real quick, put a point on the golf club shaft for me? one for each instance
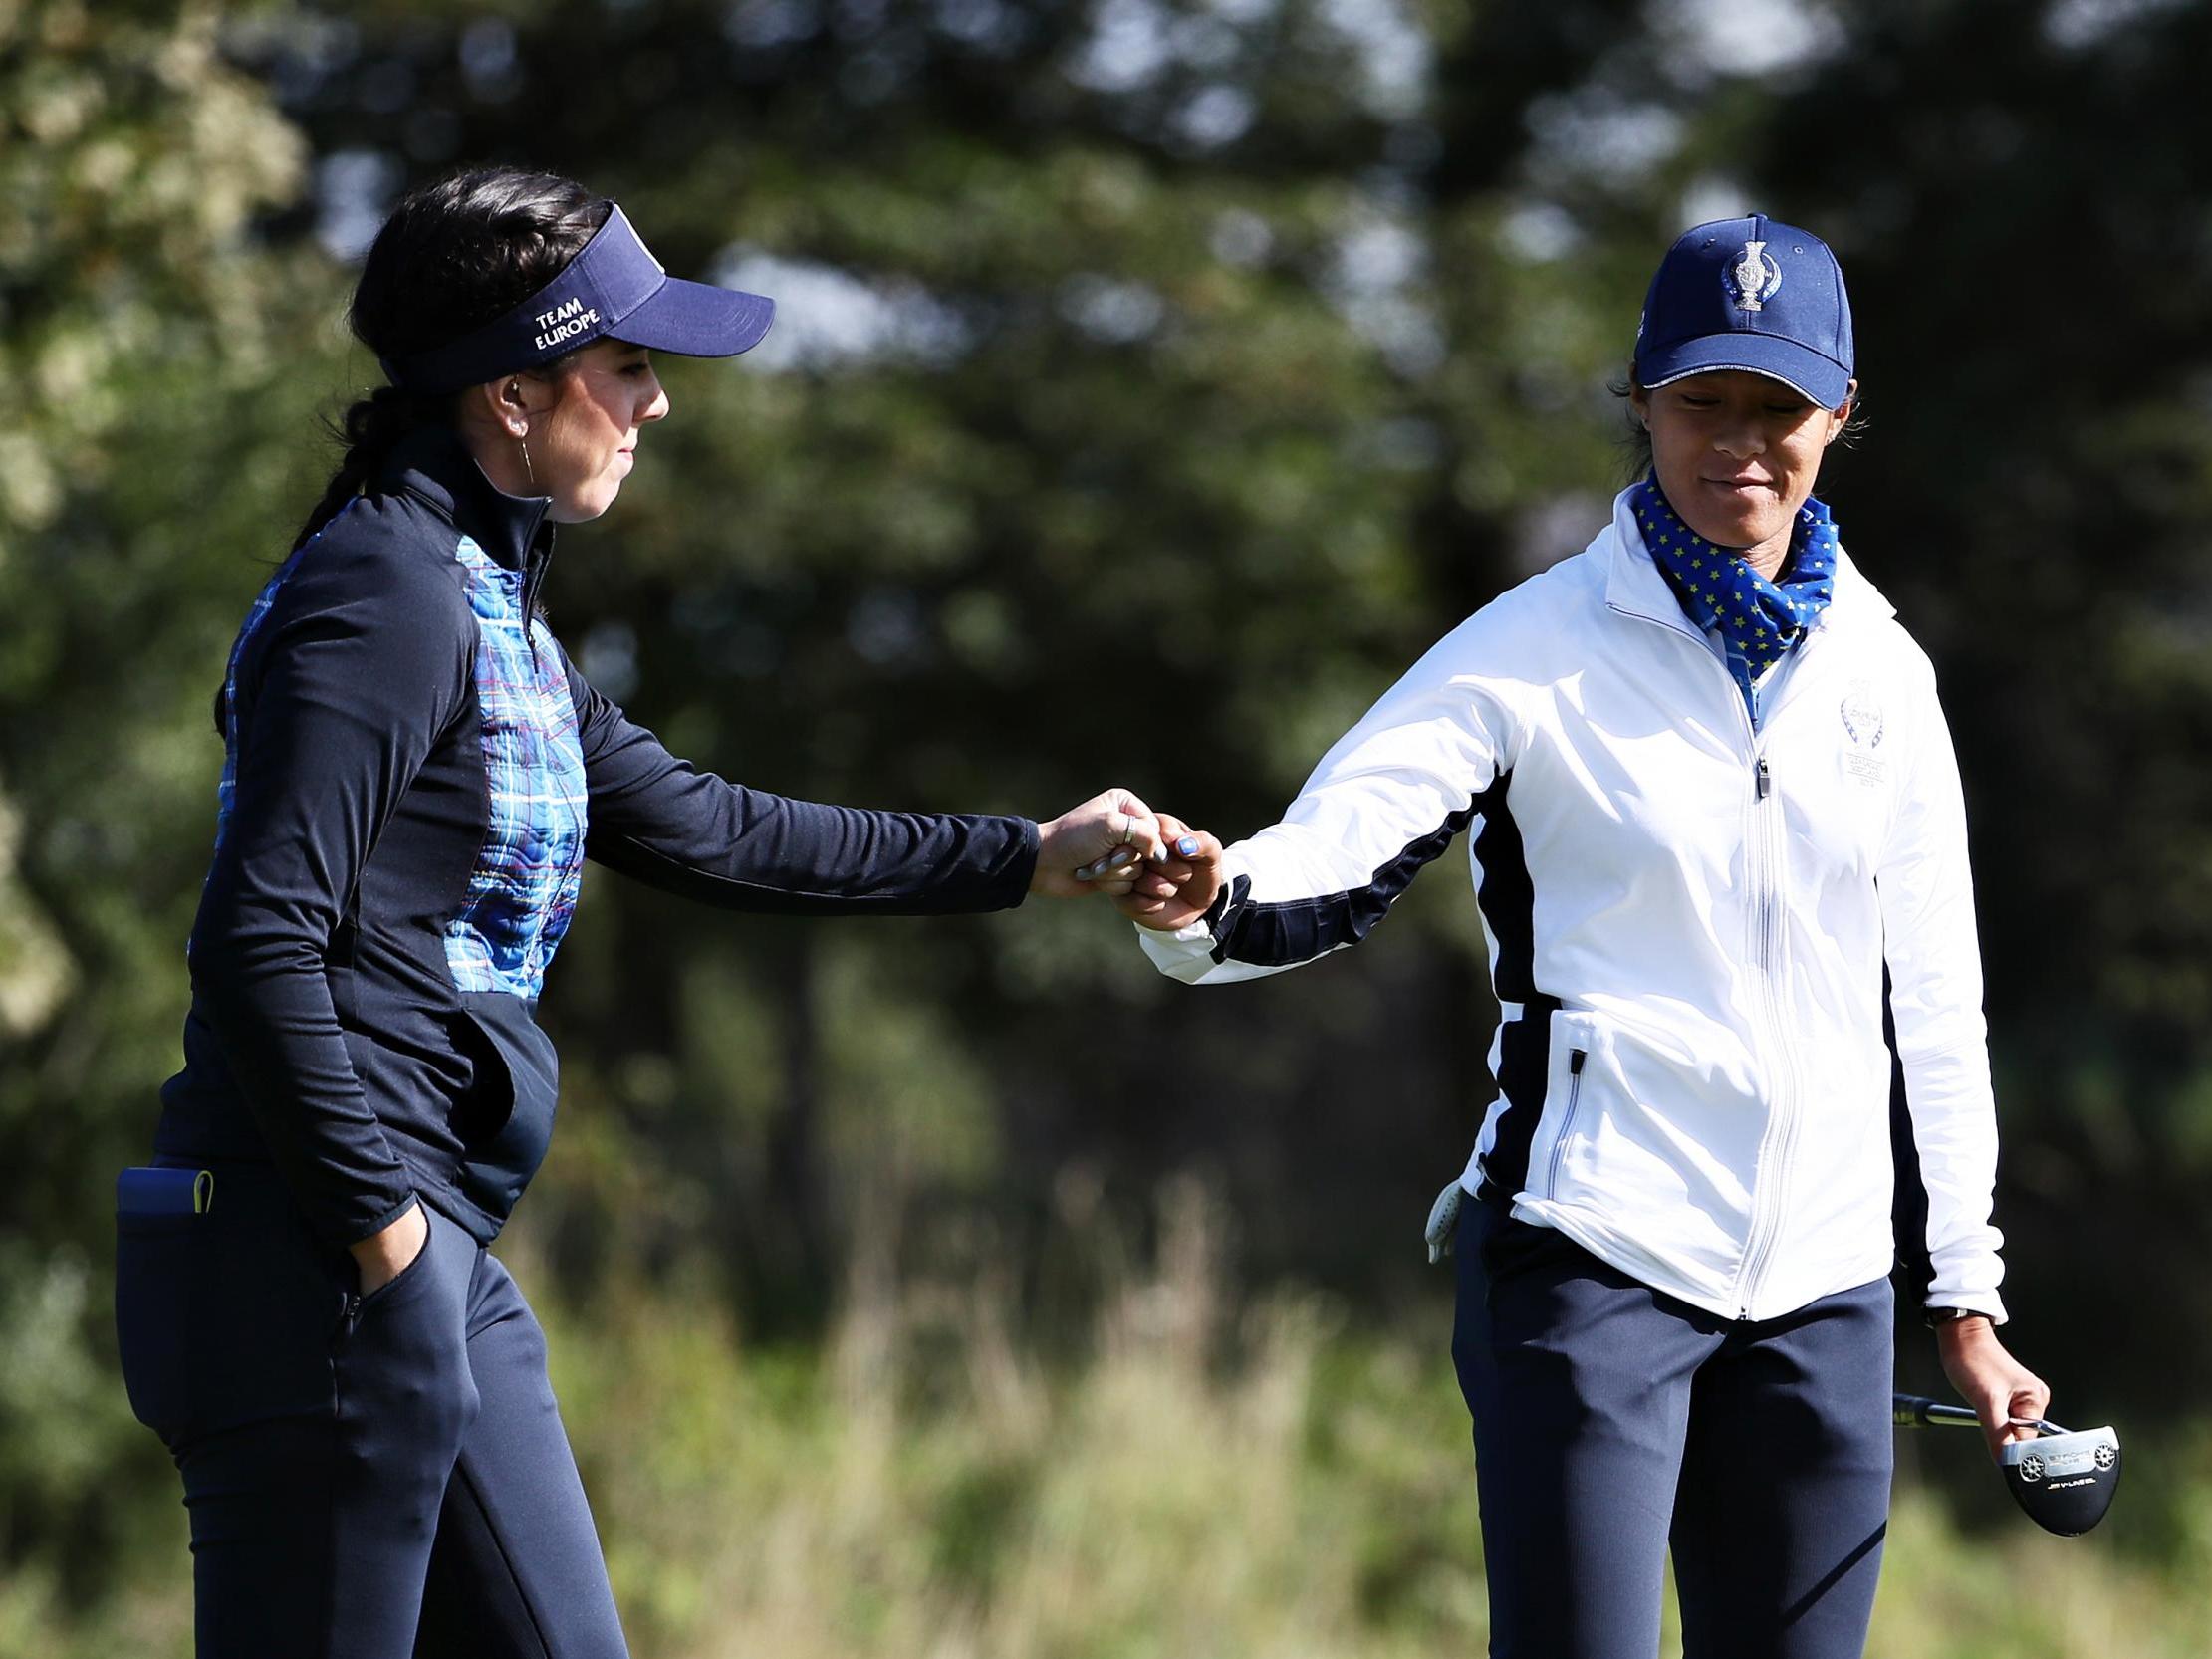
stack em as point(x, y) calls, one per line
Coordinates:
point(1917, 1411)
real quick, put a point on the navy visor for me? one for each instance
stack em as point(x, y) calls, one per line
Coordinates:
point(614, 289)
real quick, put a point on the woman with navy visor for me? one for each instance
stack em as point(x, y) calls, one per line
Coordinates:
point(353, 1390)
point(1711, 798)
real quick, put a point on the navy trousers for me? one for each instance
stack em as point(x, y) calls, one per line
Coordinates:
point(367, 1478)
point(1612, 1422)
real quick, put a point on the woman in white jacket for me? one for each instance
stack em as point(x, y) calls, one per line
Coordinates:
point(1713, 804)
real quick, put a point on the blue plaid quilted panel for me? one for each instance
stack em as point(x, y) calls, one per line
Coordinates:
point(522, 890)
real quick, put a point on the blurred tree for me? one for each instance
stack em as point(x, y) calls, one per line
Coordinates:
point(144, 338)
point(1090, 446)
point(1155, 378)
point(2033, 495)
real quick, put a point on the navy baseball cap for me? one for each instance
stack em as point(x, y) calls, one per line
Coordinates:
point(614, 288)
point(1749, 293)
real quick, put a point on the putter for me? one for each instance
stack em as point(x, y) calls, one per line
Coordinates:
point(2063, 1479)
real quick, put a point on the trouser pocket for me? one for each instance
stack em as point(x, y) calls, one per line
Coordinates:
point(405, 1392)
point(156, 1262)
point(1512, 1248)
point(400, 1286)
point(226, 1318)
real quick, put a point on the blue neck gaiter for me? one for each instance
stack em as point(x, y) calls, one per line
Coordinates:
point(1759, 621)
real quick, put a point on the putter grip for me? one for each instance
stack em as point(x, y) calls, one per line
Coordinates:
point(1917, 1411)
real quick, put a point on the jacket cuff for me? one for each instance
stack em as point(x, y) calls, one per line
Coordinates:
point(361, 1233)
point(1021, 870)
point(1974, 1302)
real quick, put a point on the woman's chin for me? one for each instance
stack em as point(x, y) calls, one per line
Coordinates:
point(586, 505)
point(1745, 528)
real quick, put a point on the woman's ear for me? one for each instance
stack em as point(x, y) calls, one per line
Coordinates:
point(513, 402)
point(1842, 413)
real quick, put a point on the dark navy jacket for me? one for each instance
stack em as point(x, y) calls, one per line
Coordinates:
point(414, 775)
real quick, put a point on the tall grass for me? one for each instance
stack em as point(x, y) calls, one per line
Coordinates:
point(1195, 1479)
point(1204, 1481)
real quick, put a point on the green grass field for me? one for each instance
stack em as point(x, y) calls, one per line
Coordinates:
point(1202, 1480)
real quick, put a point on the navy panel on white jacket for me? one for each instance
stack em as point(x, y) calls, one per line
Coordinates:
point(1688, 921)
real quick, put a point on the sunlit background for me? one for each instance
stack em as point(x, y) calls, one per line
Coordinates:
point(1154, 381)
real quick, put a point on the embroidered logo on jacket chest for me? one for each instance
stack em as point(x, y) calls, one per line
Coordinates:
point(1864, 725)
point(521, 892)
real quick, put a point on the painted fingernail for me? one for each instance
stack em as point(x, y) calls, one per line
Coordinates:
point(1117, 858)
point(1188, 846)
point(1085, 873)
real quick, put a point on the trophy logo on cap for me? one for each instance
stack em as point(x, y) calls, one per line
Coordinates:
point(1755, 278)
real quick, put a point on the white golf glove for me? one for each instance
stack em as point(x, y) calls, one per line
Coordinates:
point(1443, 1219)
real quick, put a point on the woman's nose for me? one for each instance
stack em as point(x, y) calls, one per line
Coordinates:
point(1741, 442)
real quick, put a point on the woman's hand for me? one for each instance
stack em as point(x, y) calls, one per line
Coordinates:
point(1184, 886)
point(2001, 1390)
point(1097, 847)
point(384, 1257)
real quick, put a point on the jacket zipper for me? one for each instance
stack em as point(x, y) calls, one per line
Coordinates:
point(533, 578)
point(1575, 1061)
point(1780, 1138)
point(1781, 1131)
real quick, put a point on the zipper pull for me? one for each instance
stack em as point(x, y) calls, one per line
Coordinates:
point(1766, 779)
point(1574, 1058)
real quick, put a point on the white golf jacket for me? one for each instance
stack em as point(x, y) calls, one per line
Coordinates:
point(1688, 923)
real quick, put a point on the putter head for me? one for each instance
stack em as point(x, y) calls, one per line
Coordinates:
point(2064, 1482)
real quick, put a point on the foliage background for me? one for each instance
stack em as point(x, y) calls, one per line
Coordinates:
point(1155, 378)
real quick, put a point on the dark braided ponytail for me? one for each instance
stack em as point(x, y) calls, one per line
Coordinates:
point(453, 256)
point(368, 429)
